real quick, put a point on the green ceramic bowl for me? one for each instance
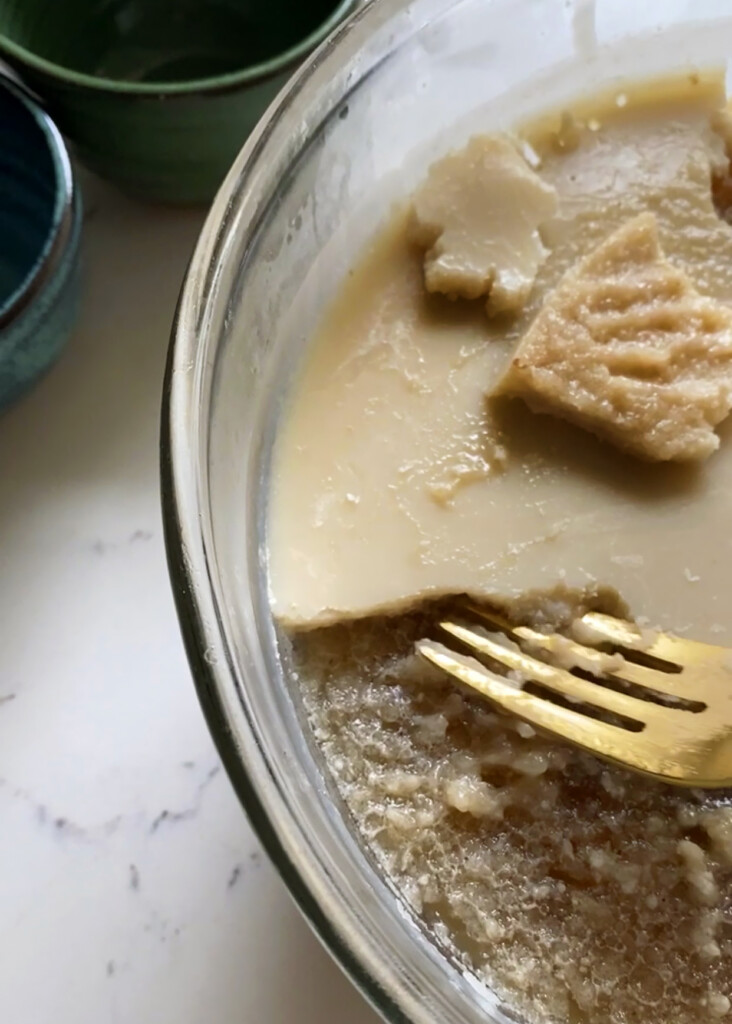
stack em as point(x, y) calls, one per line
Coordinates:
point(159, 95)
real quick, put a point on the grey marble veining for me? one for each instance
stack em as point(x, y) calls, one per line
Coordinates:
point(132, 890)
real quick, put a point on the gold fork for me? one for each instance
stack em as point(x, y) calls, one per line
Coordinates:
point(654, 703)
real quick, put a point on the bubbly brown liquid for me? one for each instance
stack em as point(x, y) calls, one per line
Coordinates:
point(577, 891)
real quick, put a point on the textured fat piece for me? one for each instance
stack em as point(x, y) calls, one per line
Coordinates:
point(626, 347)
point(478, 215)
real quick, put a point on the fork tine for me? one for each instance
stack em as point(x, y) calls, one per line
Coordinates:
point(609, 741)
point(556, 679)
point(588, 658)
point(667, 648)
point(662, 684)
point(672, 684)
point(625, 634)
point(614, 631)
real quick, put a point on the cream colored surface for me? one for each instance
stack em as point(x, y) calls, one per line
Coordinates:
point(395, 479)
point(478, 215)
point(626, 347)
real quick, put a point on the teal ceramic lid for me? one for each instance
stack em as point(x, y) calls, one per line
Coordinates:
point(40, 218)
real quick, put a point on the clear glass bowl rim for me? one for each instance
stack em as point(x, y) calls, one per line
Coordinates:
point(433, 994)
point(397, 993)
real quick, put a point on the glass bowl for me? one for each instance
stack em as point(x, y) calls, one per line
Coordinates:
point(397, 85)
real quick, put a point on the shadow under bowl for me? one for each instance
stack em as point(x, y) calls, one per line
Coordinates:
point(158, 96)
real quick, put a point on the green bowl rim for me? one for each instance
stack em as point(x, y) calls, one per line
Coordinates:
point(20, 56)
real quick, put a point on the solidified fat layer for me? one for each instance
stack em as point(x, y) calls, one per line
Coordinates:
point(394, 478)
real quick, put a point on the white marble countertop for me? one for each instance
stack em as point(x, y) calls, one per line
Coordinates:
point(132, 890)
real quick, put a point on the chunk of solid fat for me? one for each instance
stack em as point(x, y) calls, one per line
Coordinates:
point(626, 347)
point(394, 478)
point(478, 215)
